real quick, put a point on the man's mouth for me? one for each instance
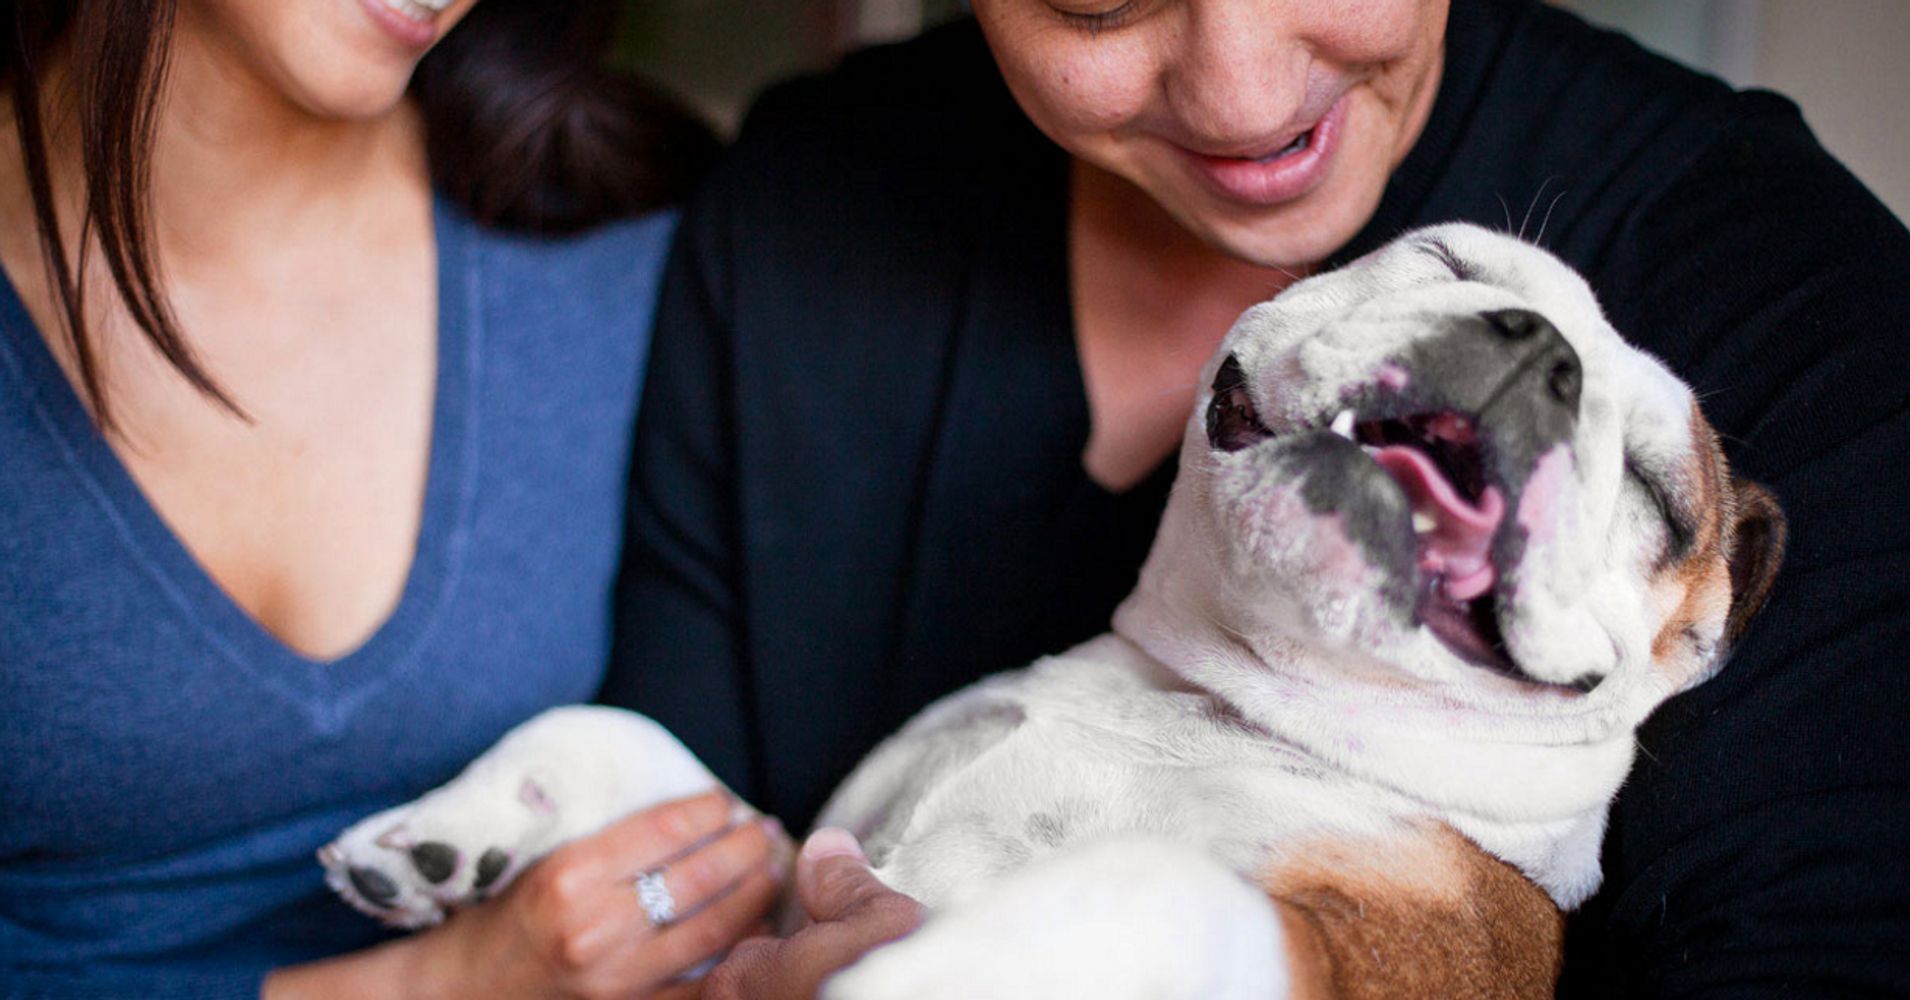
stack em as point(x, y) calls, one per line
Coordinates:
point(1297, 144)
point(1271, 174)
point(418, 10)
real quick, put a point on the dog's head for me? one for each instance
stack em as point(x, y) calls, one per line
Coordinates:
point(1440, 470)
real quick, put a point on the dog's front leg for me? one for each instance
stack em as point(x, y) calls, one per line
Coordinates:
point(1127, 918)
point(564, 774)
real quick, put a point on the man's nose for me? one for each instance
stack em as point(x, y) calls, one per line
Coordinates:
point(1237, 75)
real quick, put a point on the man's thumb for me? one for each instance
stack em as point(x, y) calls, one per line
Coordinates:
point(832, 874)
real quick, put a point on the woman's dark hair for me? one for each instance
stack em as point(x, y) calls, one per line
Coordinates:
point(525, 127)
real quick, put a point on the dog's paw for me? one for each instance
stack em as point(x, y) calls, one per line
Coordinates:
point(410, 865)
point(1114, 920)
point(564, 774)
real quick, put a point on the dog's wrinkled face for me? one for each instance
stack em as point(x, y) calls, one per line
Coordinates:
point(1441, 466)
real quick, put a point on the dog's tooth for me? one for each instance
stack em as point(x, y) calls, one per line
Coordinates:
point(1423, 522)
point(1343, 424)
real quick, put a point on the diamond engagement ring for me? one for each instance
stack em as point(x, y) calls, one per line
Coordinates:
point(653, 894)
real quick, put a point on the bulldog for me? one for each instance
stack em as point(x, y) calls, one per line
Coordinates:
point(1439, 542)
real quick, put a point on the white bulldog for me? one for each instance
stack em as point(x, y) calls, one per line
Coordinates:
point(1439, 542)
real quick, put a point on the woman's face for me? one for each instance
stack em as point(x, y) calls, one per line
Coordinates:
point(343, 59)
point(1267, 128)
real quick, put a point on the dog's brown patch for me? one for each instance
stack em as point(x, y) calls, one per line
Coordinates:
point(1725, 572)
point(1422, 913)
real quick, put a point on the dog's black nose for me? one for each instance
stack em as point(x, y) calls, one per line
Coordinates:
point(1515, 324)
point(1544, 361)
point(1513, 373)
point(1560, 363)
point(1564, 381)
point(374, 885)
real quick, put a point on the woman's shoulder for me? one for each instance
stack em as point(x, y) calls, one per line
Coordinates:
point(632, 246)
point(610, 272)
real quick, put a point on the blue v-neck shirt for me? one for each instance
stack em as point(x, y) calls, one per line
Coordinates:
point(167, 766)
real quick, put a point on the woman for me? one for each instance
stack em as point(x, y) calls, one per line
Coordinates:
point(311, 483)
point(931, 333)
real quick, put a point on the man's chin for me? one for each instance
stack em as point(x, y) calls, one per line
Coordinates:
point(1291, 236)
point(1292, 239)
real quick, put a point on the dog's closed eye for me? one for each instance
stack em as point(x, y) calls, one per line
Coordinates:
point(1680, 529)
point(1439, 251)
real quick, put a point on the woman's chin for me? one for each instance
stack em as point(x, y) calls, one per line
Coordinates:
point(362, 97)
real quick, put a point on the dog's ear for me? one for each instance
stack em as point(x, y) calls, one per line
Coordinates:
point(1755, 546)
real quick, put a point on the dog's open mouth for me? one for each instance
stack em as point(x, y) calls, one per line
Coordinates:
point(1438, 458)
point(1438, 461)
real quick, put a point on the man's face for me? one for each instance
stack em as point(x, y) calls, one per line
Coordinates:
point(1267, 128)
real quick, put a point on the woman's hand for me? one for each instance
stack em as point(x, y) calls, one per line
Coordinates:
point(853, 913)
point(572, 925)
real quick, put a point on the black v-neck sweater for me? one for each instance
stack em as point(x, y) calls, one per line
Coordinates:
point(858, 480)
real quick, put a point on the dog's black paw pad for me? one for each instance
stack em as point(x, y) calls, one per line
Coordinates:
point(490, 865)
point(434, 860)
point(375, 886)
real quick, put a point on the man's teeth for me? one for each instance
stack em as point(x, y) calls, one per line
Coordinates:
point(1423, 523)
point(418, 10)
point(1343, 424)
point(1299, 143)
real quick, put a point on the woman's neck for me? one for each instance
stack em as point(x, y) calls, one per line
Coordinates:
point(238, 163)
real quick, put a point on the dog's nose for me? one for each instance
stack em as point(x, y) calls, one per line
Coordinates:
point(1513, 372)
point(1520, 363)
point(1550, 355)
point(1515, 324)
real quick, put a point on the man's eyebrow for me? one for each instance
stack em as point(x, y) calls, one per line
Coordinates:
point(1443, 253)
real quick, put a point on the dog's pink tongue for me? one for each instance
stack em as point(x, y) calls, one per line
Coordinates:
point(1456, 547)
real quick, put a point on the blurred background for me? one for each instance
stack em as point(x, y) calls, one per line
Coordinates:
point(1845, 62)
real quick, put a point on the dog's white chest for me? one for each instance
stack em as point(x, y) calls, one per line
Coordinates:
point(1080, 748)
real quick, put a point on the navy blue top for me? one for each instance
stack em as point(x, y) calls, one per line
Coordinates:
point(169, 766)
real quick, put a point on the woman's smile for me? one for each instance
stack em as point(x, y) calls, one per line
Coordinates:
point(411, 23)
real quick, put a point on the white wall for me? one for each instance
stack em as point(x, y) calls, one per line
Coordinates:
point(1845, 62)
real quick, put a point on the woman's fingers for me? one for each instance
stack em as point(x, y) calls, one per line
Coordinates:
point(721, 916)
point(576, 925)
point(715, 883)
point(656, 835)
point(691, 880)
point(735, 914)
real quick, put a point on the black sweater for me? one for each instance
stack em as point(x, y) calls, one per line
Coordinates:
point(858, 480)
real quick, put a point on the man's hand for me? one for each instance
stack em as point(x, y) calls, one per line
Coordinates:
point(852, 914)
